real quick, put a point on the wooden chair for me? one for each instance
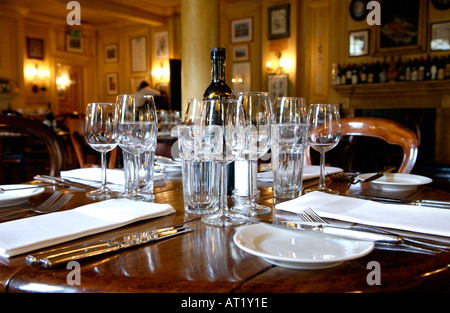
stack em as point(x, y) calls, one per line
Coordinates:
point(76, 132)
point(35, 129)
point(387, 130)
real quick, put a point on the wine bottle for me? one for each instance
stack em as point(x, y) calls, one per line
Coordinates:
point(217, 90)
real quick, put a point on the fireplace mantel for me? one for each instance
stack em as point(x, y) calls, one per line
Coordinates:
point(405, 95)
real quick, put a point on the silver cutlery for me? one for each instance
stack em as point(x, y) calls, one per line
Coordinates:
point(52, 204)
point(52, 179)
point(57, 256)
point(2, 190)
point(428, 203)
point(423, 245)
point(380, 174)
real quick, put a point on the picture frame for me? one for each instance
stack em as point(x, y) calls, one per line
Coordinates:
point(277, 85)
point(135, 82)
point(161, 42)
point(242, 30)
point(35, 48)
point(279, 21)
point(112, 84)
point(240, 53)
point(403, 28)
point(138, 54)
point(440, 36)
point(74, 41)
point(359, 43)
point(111, 53)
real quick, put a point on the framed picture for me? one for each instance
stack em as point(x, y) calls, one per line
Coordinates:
point(403, 27)
point(440, 36)
point(35, 48)
point(240, 53)
point(74, 41)
point(278, 85)
point(162, 45)
point(111, 53)
point(279, 21)
point(112, 86)
point(136, 82)
point(358, 43)
point(242, 30)
point(358, 9)
point(241, 76)
point(139, 54)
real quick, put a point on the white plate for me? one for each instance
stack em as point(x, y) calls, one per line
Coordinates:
point(14, 197)
point(397, 181)
point(309, 172)
point(299, 249)
point(167, 162)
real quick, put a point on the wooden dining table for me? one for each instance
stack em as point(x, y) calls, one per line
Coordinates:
point(207, 260)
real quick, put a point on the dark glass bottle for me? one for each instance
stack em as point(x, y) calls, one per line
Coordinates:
point(218, 89)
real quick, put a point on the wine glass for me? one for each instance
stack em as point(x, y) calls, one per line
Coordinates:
point(137, 129)
point(99, 132)
point(223, 139)
point(258, 118)
point(324, 135)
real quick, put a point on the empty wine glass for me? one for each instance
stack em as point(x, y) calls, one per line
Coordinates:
point(137, 129)
point(99, 132)
point(258, 118)
point(223, 139)
point(324, 135)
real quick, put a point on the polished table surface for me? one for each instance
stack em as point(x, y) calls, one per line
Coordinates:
point(207, 260)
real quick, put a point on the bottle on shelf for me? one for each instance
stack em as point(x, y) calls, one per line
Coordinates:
point(447, 68)
point(218, 89)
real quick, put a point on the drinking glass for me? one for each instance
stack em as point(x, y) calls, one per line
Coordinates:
point(289, 139)
point(137, 129)
point(324, 135)
point(223, 139)
point(258, 118)
point(99, 132)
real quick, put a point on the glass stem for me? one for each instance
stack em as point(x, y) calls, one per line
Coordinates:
point(322, 171)
point(223, 192)
point(103, 165)
point(250, 181)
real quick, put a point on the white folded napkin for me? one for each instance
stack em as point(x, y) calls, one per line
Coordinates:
point(309, 172)
point(27, 234)
point(398, 216)
point(93, 176)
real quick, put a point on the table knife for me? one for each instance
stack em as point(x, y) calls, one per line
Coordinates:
point(428, 203)
point(55, 257)
point(52, 179)
point(340, 231)
point(380, 174)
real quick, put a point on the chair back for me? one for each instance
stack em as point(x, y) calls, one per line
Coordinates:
point(76, 131)
point(387, 130)
point(21, 125)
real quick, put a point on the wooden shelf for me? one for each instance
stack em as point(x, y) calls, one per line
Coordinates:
point(394, 87)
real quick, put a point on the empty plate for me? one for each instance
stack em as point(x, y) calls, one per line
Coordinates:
point(397, 181)
point(299, 249)
point(14, 197)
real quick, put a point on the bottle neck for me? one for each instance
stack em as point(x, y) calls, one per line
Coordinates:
point(217, 70)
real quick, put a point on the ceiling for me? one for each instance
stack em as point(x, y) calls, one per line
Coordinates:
point(100, 12)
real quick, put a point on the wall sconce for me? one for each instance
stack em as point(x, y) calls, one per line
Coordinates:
point(161, 73)
point(62, 79)
point(283, 64)
point(37, 76)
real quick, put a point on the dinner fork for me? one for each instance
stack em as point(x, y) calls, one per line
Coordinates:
point(52, 204)
point(310, 215)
